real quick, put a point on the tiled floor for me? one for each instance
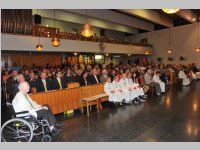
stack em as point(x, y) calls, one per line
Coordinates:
point(174, 116)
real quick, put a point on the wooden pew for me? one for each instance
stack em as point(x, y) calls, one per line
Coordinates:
point(93, 95)
point(73, 85)
point(67, 99)
point(88, 99)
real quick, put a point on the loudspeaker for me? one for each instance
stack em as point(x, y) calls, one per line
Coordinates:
point(170, 58)
point(159, 59)
point(181, 58)
point(37, 19)
point(102, 32)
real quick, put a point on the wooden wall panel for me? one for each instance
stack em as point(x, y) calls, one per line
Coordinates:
point(18, 21)
point(29, 60)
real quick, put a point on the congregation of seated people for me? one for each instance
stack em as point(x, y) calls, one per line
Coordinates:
point(124, 83)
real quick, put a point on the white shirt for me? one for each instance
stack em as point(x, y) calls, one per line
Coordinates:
point(156, 79)
point(116, 85)
point(123, 83)
point(182, 75)
point(96, 79)
point(20, 103)
point(59, 82)
point(108, 87)
point(45, 84)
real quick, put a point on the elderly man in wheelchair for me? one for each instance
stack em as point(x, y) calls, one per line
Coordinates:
point(29, 119)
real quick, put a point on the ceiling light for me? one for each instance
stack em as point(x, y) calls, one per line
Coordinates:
point(55, 38)
point(169, 51)
point(193, 19)
point(87, 28)
point(39, 47)
point(197, 50)
point(87, 31)
point(55, 42)
point(170, 11)
point(146, 52)
point(75, 54)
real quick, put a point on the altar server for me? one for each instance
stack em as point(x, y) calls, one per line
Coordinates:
point(182, 75)
point(156, 78)
point(114, 94)
point(127, 91)
point(117, 87)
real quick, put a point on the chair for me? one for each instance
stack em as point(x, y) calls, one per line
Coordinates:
point(178, 82)
point(152, 89)
point(24, 128)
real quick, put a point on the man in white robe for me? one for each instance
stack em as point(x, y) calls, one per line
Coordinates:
point(182, 75)
point(156, 78)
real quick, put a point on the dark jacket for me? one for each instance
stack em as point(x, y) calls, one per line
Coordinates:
point(69, 78)
point(40, 86)
point(4, 92)
point(56, 85)
point(77, 78)
point(32, 83)
point(83, 82)
point(92, 80)
point(12, 88)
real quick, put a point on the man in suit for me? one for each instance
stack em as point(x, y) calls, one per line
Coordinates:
point(4, 97)
point(84, 79)
point(94, 78)
point(43, 84)
point(12, 84)
point(69, 77)
point(32, 80)
point(148, 81)
point(23, 102)
point(77, 77)
point(59, 82)
point(104, 76)
point(26, 75)
point(4, 88)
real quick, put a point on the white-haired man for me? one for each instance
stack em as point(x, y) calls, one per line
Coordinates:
point(23, 102)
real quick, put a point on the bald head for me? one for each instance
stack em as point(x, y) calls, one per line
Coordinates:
point(24, 87)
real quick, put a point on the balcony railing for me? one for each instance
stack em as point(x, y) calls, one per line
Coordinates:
point(44, 31)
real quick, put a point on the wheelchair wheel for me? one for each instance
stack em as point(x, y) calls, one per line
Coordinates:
point(16, 130)
point(46, 138)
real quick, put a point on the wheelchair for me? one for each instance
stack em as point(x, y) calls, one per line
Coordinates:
point(25, 128)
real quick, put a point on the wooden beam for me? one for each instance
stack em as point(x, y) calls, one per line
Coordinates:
point(67, 16)
point(150, 15)
point(187, 15)
point(115, 17)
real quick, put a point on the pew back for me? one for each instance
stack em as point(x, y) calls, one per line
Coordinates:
point(66, 99)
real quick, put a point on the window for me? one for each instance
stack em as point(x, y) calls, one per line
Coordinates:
point(99, 59)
